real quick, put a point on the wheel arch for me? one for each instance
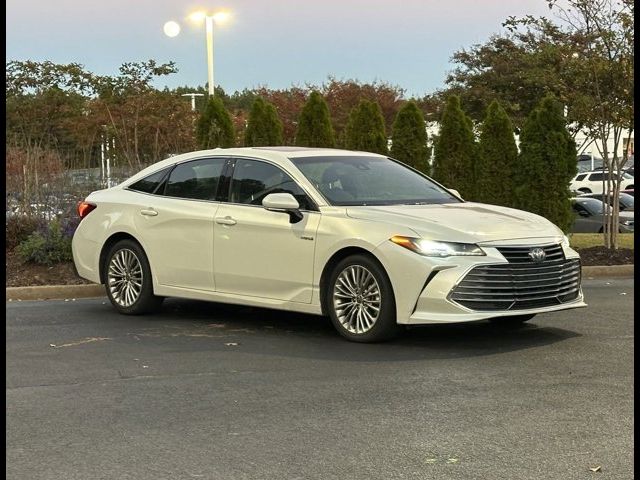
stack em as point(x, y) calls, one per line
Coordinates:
point(336, 258)
point(106, 246)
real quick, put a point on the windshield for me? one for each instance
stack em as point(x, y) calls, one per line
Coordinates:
point(360, 180)
point(593, 206)
point(626, 200)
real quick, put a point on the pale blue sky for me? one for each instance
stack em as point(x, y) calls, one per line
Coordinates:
point(275, 43)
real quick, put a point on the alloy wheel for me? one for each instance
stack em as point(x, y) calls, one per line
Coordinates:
point(357, 299)
point(125, 277)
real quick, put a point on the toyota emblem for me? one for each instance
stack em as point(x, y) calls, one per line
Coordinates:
point(537, 255)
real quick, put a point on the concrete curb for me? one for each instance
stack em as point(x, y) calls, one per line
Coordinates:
point(58, 292)
point(607, 271)
point(55, 292)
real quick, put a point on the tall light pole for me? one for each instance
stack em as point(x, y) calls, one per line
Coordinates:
point(193, 99)
point(218, 17)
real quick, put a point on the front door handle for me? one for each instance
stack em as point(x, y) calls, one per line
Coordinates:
point(225, 220)
point(149, 212)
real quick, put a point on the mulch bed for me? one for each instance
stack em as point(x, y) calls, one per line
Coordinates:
point(604, 256)
point(21, 274)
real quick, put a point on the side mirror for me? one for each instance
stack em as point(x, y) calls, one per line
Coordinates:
point(455, 192)
point(285, 203)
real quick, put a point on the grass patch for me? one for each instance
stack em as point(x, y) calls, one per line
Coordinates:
point(586, 240)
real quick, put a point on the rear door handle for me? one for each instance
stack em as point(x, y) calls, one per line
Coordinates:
point(225, 220)
point(149, 212)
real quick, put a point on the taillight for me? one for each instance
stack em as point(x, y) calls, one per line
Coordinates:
point(85, 208)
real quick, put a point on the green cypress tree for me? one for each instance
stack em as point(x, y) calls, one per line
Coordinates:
point(365, 129)
point(314, 124)
point(455, 150)
point(409, 137)
point(546, 164)
point(263, 126)
point(214, 127)
point(497, 158)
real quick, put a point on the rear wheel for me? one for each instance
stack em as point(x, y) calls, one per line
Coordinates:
point(360, 301)
point(512, 321)
point(128, 279)
point(584, 190)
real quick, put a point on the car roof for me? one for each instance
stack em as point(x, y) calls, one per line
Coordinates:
point(280, 155)
point(293, 152)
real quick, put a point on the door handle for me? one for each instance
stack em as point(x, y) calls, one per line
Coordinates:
point(225, 220)
point(149, 212)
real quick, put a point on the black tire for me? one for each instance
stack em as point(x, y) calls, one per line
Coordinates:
point(512, 321)
point(146, 301)
point(384, 326)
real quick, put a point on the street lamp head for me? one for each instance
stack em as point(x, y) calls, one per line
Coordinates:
point(221, 17)
point(198, 16)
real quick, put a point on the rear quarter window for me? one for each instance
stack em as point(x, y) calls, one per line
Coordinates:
point(150, 183)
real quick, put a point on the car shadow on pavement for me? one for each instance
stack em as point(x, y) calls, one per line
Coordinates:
point(291, 334)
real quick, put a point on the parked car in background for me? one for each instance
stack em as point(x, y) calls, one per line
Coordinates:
point(359, 237)
point(586, 164)
point(589, 216)
point(591, 182)
point(625, 201)
point(628, 192)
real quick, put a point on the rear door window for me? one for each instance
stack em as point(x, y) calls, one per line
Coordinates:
point(197, 180)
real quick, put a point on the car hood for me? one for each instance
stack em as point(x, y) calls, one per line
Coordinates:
point(461, 222)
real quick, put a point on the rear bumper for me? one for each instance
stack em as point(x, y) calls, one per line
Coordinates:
point(86, 254)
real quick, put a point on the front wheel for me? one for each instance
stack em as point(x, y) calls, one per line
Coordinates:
point(360, 300)
point(128, 279)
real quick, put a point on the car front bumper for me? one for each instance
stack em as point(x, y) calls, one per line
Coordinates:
point(423, 285)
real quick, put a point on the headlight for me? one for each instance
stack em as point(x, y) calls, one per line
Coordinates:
point(627, 223)
point(432, 248)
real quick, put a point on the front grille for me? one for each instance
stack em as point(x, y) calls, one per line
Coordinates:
point(521, 283)
point(521, 254)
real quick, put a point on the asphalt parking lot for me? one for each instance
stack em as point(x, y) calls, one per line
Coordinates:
point(209, 391)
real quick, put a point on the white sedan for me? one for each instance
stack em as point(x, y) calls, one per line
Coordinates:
point(356, 236)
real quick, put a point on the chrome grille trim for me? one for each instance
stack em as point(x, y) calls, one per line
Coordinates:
point(521, 254)
point(520, 284)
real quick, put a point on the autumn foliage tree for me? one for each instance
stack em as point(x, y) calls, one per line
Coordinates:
point(343, 96)
point(409, 138)
point(263, 126)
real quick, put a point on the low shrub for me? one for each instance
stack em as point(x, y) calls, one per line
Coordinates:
point(48, 245)
point(18, 229)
